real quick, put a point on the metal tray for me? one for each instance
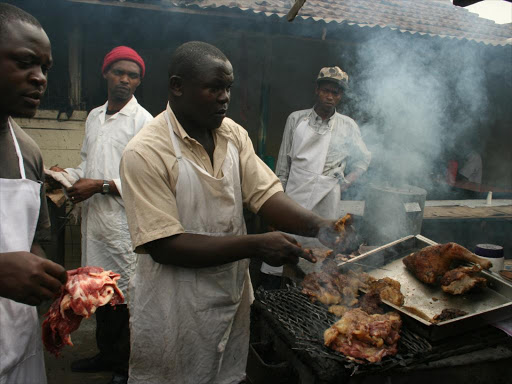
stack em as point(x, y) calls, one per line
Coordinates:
point(493, 303)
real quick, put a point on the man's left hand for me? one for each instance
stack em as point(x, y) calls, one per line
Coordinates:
point(84, 189)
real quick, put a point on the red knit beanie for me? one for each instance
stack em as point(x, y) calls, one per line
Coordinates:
point(123, 53)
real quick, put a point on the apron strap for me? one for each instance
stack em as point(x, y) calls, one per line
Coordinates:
point(174, 140)
point(18, 152)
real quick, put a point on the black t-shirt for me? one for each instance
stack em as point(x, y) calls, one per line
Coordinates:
point(34, 169)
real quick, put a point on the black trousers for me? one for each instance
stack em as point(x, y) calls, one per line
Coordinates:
point(113, 336)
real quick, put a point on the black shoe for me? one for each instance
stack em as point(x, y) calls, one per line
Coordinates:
point(118, 379)
point(91, 364)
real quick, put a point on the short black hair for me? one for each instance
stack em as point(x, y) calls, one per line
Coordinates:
point(189, 57)
point(10, 13)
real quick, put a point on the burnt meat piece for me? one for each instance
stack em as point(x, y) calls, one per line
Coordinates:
point(448, 314)
point(461, 280)
point(431, 263)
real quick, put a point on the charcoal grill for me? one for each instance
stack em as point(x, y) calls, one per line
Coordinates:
point(287, 317)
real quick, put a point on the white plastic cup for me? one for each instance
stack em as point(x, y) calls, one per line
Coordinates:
point(493, 253)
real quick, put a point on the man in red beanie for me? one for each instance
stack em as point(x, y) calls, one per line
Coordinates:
point(105, 237)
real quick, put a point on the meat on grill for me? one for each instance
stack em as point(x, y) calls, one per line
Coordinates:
point(87, 289)
point(359, 335)
point(331, 288)
point(432, 263)
point(462, 279)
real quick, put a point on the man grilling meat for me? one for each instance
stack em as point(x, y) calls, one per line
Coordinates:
point(105, 237)
point(186, 177)
point(26, 277)
point(322, 155)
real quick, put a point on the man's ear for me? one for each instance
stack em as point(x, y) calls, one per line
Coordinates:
point(176, 85)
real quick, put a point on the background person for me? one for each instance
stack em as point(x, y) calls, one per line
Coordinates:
point(322, 155)
point(105, 237)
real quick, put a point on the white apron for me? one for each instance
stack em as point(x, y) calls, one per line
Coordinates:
point(306, 185)
point(191, 326)
point(21, 353)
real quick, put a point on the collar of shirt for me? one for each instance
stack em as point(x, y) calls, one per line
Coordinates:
point(127, 110)
point(318, 124)
point(199, 153)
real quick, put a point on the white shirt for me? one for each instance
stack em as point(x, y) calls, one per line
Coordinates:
point(346, 149)
point(105, 237)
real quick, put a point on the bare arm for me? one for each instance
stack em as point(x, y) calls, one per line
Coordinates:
point(198, 251)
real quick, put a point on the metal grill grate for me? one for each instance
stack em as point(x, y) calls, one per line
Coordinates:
point(304, 324)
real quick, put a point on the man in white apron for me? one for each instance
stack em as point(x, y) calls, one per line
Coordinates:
point(26, 278)
point(186, 177)
point(319, 146)
point(105, 237)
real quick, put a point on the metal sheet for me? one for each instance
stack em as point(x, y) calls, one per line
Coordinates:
point(493, 303)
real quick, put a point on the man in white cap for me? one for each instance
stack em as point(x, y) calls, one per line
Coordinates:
point(105, 238)
point(322, 154)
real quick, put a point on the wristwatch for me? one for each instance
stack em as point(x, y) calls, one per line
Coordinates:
point(105, 189)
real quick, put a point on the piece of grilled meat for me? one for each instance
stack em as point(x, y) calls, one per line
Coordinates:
point(461, 280)
point(431, 263)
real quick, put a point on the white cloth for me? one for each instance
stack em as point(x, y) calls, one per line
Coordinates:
point(347, 150)
point(106, 240)
point(21, 353)
point(191, 326)
point(306, 184)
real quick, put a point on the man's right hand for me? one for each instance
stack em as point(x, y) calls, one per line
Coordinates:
point(277, 248)
point(28, 278)
point(57, 169)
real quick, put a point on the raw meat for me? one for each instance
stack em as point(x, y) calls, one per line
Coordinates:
point(87, 289)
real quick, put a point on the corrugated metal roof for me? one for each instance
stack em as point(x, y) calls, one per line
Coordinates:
point(432, 17)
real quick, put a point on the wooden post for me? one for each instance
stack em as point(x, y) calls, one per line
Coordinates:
point(75, 49)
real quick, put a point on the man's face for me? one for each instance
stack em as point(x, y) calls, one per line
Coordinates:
point(328, 95)
point(205, 99)
point(123, 78)
point(25, 58)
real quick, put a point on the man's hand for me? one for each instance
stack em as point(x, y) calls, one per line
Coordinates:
point(84, 189)
point(277, 248)
point(57, 169)
point(29, 279)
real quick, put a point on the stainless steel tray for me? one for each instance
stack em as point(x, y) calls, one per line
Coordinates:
point(492, 304)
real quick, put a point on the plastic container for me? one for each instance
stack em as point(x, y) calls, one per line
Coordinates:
point(493, 253)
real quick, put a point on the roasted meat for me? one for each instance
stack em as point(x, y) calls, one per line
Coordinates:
point(461, 280)
point(359, 335)
point(338, 310)
point(347, 240)
point(431, 263)
point(388, 289)
point(448, 314)
point(87, 289)
point(371, 302)
point(331, 288)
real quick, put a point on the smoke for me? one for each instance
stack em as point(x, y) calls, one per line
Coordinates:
point(416, 99)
